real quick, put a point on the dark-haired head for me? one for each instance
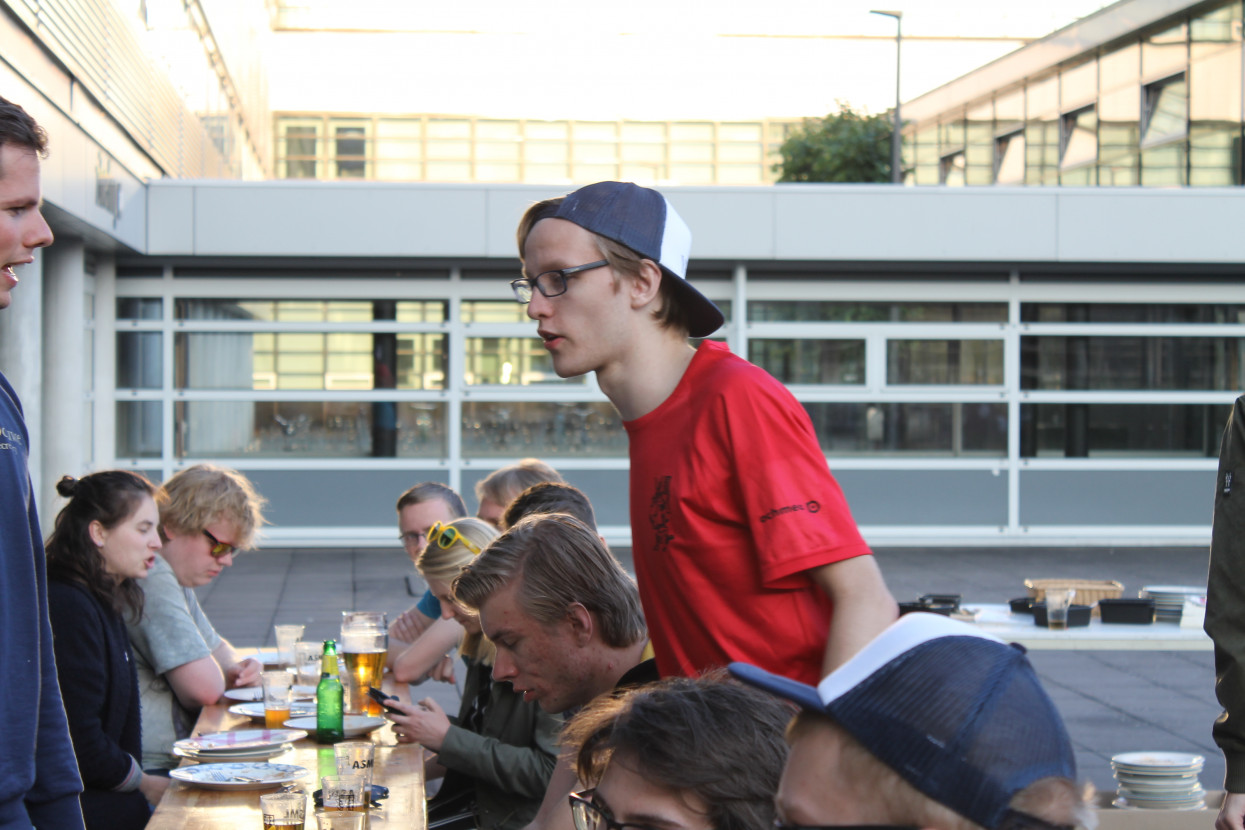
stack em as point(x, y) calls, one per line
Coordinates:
point(715, 745)
point(20, 130)
point(108, 497)
point(550, 497)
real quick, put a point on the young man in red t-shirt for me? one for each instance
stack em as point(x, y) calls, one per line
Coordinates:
point(744, 546)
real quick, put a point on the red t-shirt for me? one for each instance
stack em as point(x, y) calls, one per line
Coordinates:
point(731, 501)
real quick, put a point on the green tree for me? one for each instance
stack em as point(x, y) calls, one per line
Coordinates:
point(845, 146)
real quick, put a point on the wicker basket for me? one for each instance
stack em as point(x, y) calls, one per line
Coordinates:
point(1088, 591)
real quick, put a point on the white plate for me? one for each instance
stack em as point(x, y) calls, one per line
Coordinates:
point(249, 693)
point(256, 710)
point(352, 724)
point(239, 776)
point(1169, 761)
point(243, 739)
point(261, 754)
point(1123, 804)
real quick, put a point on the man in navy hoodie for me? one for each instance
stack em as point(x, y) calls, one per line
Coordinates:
point(39, 782)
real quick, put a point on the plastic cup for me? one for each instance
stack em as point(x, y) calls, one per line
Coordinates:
point(355, 758)
point(276, 698)
point(1057, 602)
point(287, 636)
point(307, 662)
point(338, 820)
point(283, 811)
point(348, 793)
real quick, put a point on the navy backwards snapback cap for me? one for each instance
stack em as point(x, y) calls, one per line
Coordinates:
point(958, 714)
point(641, 219)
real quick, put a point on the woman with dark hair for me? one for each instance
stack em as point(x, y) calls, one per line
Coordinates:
point(104, 539)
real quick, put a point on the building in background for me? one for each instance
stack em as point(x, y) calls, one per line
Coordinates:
point(988, 366)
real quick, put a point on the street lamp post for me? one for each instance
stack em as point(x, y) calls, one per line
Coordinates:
point(896, 133)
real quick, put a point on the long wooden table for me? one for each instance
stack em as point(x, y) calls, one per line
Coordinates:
point(398, 766)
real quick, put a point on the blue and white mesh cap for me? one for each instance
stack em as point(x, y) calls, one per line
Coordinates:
point(960, 715)
point(644, 221)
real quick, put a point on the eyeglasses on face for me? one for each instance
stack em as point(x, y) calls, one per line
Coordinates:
point(588, 815)
point(549, 283)
point(444, 537)
point(411, 539)
point(219, 548)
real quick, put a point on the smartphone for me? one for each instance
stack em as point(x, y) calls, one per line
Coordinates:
point(380, 697)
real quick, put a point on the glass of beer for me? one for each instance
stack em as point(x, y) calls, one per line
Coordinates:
point(287, 636)
point(339, 820)
point(346, 793)
point(286, 811)
point(276, 698)
point(364, 641)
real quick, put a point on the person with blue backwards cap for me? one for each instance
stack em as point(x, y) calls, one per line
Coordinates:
point(744, 545)
point(932, 725)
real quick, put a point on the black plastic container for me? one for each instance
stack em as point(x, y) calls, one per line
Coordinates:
point(1129, 611)
point(909, 607)
point(1021, 605)
point(941, 600)
point(1078, 615)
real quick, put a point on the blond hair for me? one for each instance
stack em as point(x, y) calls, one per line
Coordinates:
point(197, 496)
point(501, 486)
point(445, 564)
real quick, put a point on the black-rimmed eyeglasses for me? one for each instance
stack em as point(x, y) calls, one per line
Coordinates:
point(549, 283)
point(590, 816)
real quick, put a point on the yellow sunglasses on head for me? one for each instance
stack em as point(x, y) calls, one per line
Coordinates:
point(444, 536)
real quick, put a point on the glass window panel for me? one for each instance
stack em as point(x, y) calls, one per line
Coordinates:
point(1216, 26)
point(545, 430)
point(594, 172)
point(644, 152)
point(509, 361)
point(140, 308)
point(310, 429)
point(654, 133)
point(1177, 314)
point(912, 429)
point(740, 132)
point(1010, 159)
point(504, 130)
point(951, 135)
point(546, 172)
point(595, 153)
point(1121, 430)
point(399, 171)
point(740, 174)
point(1215, 85)
point(139, 429)
point(959, 362)
point(926, 169)
point(691, 132)
point(1133, 363)
point(445, 149)
point(810, 361)
point(449, 171)
point(1009, 108)
point(1166, 110)
point(692, 173)
point(407, 128)
point(487, 311)
point(546, 129)
point(449, 128)
point(1165, 166)
point(953, 167)
point(691, 152)
point(740, 153)
point(497, 172)
point(312, 311)
point(1078, 86)
point(647, 174)
point(545, 152)
point(790, 311)
point(1214, 157)
point(394, 149)
point(1079, 137)
point(979, 151)
point(497, 151)
point(594, 131)
point(1164, 53)
point(140, 360)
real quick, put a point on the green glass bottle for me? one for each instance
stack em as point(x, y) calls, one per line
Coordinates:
point(329, 698)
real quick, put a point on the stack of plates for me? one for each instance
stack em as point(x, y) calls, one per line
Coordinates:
point(1159, 780)
point(1169, 599)
point(246, 744)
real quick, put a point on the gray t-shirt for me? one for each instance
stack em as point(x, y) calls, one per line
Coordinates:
point(174, 631)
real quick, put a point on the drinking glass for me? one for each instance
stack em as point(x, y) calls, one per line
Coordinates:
point(287, 635)
point(276, 698)
point(283, 811)
point(347, 793)
point(364, 641)
point(307, 661)
point(356, 758)
point(1057, 602)
point(338, 820)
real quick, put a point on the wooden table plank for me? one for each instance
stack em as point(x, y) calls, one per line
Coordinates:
point(397, 766)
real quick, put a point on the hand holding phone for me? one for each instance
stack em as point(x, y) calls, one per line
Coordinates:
point(380, 697)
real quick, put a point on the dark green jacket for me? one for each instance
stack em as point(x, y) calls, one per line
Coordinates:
point(1225, 597)
point(510, 759)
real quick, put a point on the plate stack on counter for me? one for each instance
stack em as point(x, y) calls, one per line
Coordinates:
point(1159, 780)
point(1169, 599)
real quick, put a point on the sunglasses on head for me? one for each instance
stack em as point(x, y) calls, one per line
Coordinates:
point(444, 536)
point(219, 548)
